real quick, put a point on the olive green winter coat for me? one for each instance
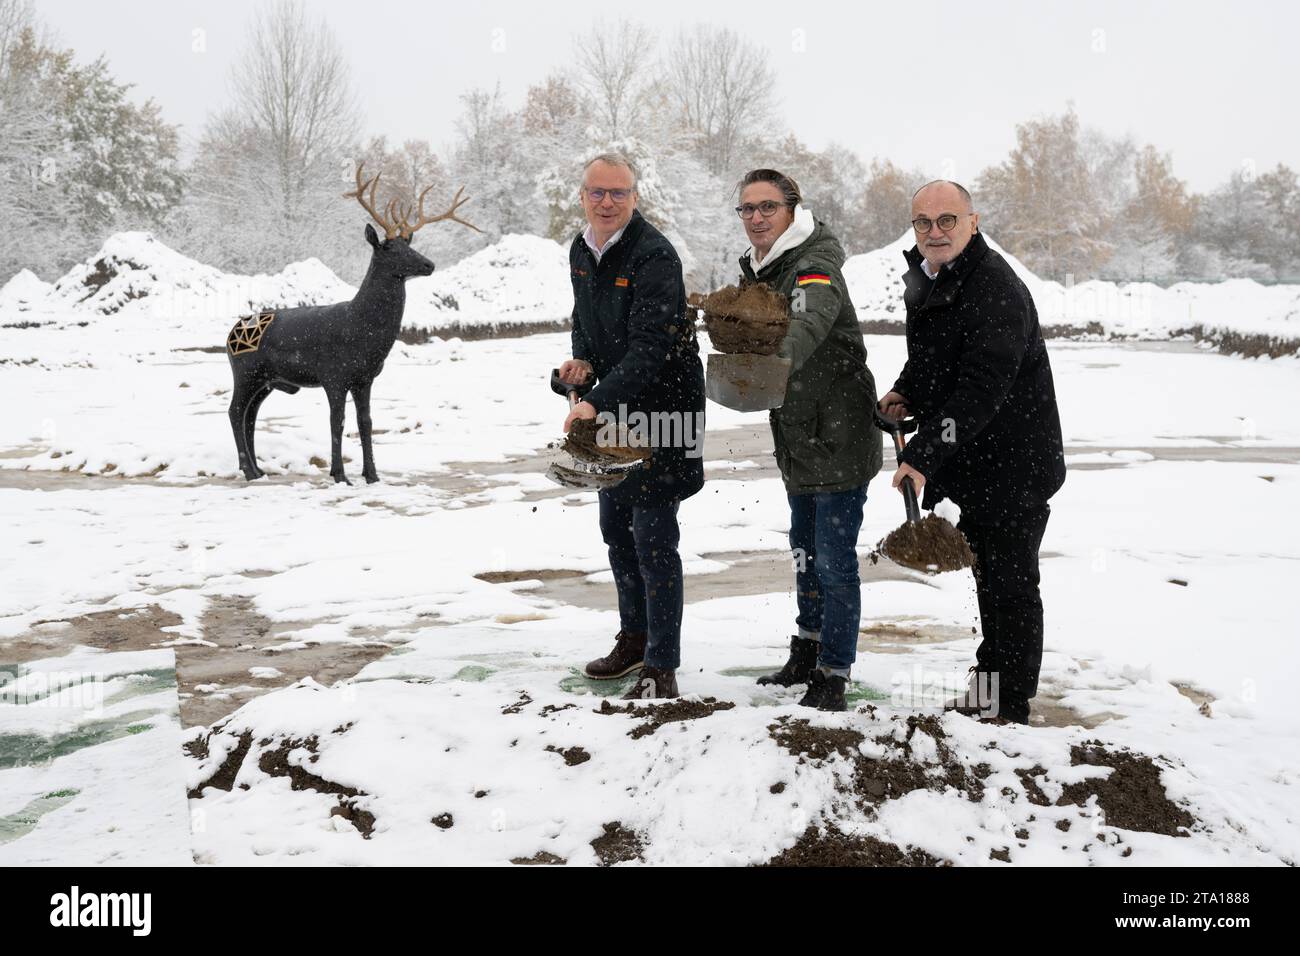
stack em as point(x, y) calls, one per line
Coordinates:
point(824, 437)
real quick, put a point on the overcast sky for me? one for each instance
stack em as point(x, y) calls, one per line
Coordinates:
point(936, 85)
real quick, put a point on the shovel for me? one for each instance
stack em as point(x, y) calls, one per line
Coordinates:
point(927, 544)
point(586, 475)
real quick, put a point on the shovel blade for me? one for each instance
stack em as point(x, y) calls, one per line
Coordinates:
point(747, 383)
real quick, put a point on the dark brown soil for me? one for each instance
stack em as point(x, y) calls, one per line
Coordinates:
point(831, 847)
point(1132, 797)
point(617, 844)
point(751, 320)
point(657, 715)
point(1033, 793)
point(931, 544)
point(443, 821)
point(805, 741)
point(572, 756)
point(224, 778)
point(540, 858)
point(582, 442)
point(275, 763)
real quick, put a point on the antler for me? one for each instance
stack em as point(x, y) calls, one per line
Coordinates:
point(391, 226)
point(408, 229)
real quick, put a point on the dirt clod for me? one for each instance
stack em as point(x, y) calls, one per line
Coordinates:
point(832, 847)
point(751, 319)
point(443, 821)
point(931, 544)
point(224, 777)
point(572, 756)
point(1132, 796)
point(592, 441)
point(656, 715)
point(617, 844)
point(540, 858)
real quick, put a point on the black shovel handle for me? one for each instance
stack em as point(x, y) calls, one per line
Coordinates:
point(897, 430)
point(560, 387)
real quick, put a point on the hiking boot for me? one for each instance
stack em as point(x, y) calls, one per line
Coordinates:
point(797, 670)
point(653, 683)
point(628, 654)
point(825, 691)
point(984, 700)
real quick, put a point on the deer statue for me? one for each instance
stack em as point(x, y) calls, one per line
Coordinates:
point(340, 348)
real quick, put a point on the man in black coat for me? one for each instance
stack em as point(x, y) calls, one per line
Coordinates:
point(632, 332)
point(978, 379)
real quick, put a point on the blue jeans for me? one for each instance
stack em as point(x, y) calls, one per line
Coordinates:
point(824, 539)
point(647, 575)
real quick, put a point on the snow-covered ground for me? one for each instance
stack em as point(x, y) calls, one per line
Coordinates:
point(475, 591)
point(376, 673)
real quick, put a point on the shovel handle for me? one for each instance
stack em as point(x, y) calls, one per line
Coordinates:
point(897, 430)
point(909, 500)
point(572, 392)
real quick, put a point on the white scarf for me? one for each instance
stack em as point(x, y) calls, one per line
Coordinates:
point(795, 234)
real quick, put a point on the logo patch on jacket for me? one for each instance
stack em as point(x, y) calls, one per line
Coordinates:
point(621, 282)
point(813, 278)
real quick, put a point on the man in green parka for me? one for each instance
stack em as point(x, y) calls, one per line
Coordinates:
point(825, 443)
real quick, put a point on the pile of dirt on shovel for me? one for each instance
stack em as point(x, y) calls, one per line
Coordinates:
point(582, 442)
point(751, 319)
point(931, 544)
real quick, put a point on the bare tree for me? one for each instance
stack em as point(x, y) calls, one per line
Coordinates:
point(292, 86)
point(15, 16)
point(611, 60)
point(722, 88)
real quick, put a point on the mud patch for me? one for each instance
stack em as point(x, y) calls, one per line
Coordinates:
point(832, 847)
point(656, 715)
point(751, 319)
point(1132, 796)
point(118, 629)
point(509, 577)
point(931, 544)
point(617, 844)
point(275, 763)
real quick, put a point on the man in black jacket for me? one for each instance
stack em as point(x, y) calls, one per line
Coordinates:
point(978, 379)
point(631, 331)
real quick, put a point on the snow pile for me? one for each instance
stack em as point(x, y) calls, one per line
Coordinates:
point(23, 291)
point(521, 280)
point(1142, 310)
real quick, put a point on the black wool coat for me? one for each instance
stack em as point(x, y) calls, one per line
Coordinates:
point(630, 322)
point(978, 378)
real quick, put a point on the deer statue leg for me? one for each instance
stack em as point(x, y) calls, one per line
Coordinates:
point(250, 426)
point(361, 398)
point(241, 394)
point(338, 398)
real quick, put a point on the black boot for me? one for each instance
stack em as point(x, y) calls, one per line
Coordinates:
point(802, 662)
point(653, 683)
point(825, 691)
point(628, 655)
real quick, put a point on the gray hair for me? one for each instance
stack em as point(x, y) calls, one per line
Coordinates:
point(965, 193)
point(610, 159)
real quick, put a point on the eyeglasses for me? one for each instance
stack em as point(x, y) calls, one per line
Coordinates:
point(944, 222)
point(768, 208)
point(598, 195)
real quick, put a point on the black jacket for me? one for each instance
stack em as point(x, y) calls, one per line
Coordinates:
point(978, 378)
point(630, 322)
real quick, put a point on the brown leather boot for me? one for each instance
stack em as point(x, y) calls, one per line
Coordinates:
point(628, 655)
point(653, 683)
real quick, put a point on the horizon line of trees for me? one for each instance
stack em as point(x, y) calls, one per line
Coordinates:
point(79, 160)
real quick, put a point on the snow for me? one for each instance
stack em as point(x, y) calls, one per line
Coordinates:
point(1166, 568)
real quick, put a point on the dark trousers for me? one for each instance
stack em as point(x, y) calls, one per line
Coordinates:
point(1011, 610)
point(647, 574)
point(824, 539)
